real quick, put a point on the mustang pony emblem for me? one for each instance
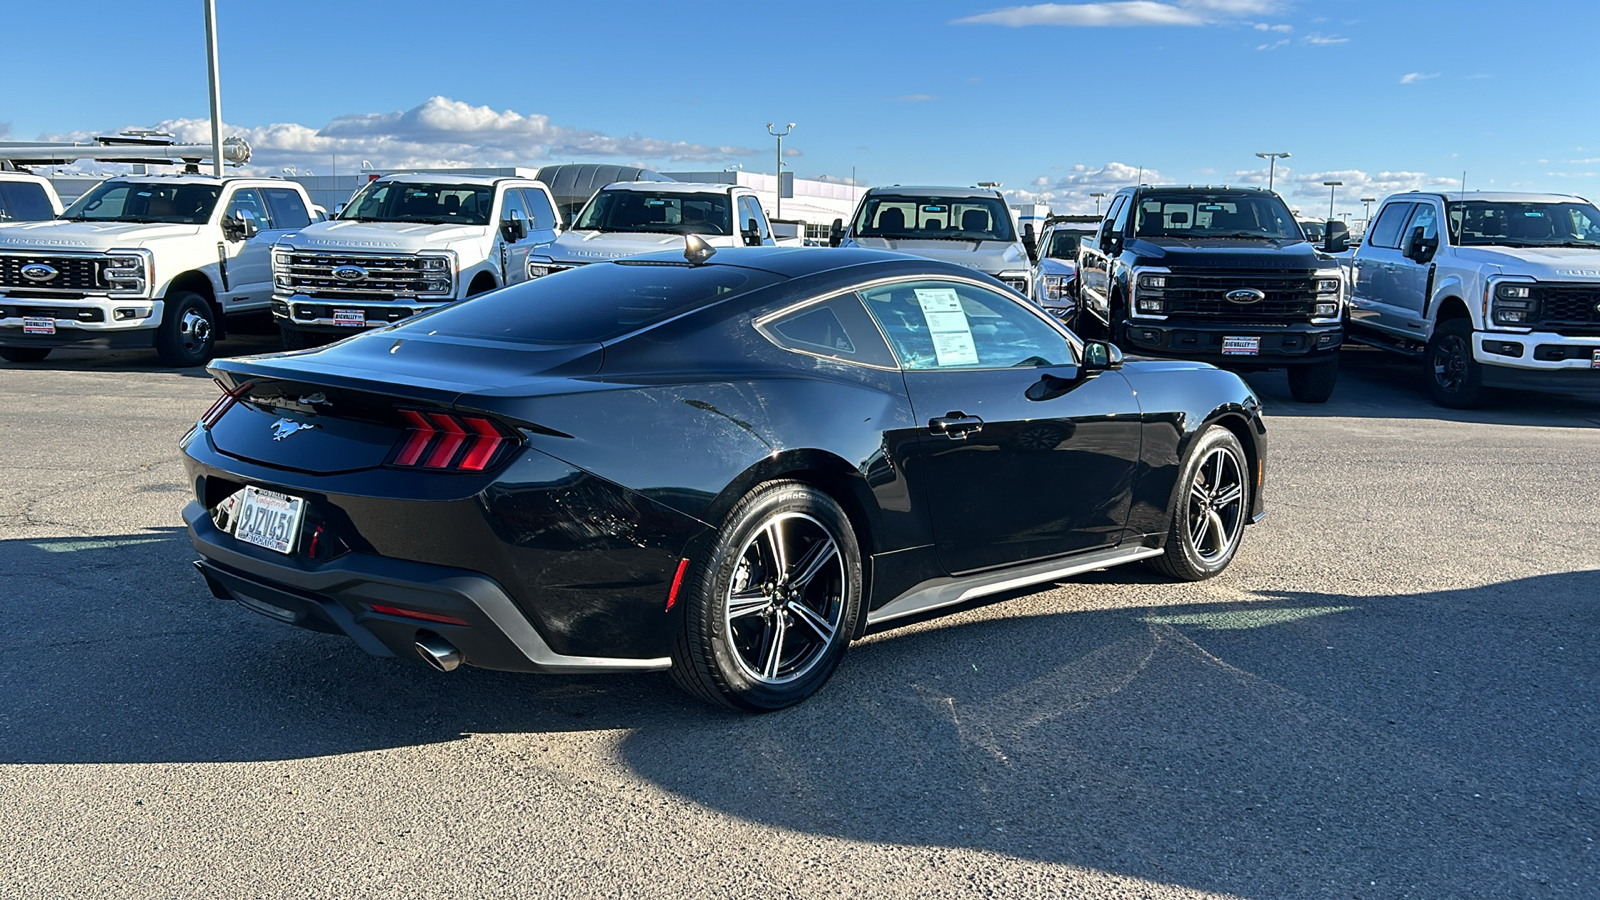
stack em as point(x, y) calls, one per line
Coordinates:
point(286, 427)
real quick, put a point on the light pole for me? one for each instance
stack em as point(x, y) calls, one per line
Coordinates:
point(1366, 214)
point(1272, 164)
point(216, 90)
point(780, 135)
point(1097, 195)
point(1332, 187)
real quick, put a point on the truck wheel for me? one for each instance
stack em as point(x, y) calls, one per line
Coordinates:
point(24, 354)
point(1313, 383)
point(1455, 379)
point(294, 338)
point(187, 335)
point(1209, 509)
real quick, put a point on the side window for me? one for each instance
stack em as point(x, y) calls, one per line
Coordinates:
point(288, 210)
point(1424, 218)
point(1385, 230)
point(837, 329)
point(954, 325)
point(749, 209)
point(540, 214)
point(250, 199)
point(513, 203)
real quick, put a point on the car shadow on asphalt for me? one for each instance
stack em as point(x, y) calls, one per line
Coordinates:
point(247, 337)
point(1435, 744)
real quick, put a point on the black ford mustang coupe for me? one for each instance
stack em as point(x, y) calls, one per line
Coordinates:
point(724, 467)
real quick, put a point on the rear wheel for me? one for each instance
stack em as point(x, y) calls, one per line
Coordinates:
point(1455, 379)
point(1313, 383)
point(187, 335)
point(24, 354)
point(770, 609)
point(1209, 510)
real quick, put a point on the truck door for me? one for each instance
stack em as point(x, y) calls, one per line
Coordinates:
point(1377, 270)
point(1411, 280)
point(247, 263)
point(541, 225)
point(1094, 261)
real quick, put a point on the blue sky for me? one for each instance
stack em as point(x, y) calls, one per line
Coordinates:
point(1054, 100)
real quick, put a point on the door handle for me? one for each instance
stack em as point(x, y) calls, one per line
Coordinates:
point(956, 425)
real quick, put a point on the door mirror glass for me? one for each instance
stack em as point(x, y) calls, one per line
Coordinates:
point(515, 226)
point(1030, 243)
point(1422, 247)
point(1337, 237)
point(836, 233)
point(1100, 356)
point(241, 226)
point(752, 233)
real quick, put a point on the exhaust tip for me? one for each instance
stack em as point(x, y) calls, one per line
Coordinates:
point(437, 652)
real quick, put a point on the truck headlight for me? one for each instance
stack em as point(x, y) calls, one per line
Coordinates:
point(1055, 286)
point(282, 259)
point(1151, 304)
point(1514, 292)
point(1513, 304)
point(127, 272)
point(538, 270)
point(435, 264)
point(1327, 285)
point(1325, 310)
point(1153, 282)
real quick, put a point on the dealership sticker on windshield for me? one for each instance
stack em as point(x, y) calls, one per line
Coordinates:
point(350, 318)
point(948, 326)
point(1241, 346)
point(269, 519)
point(38, 325)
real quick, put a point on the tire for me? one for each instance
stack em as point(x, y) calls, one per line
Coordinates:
point(741, 603)
point(24, 354)
point(1210, 508)
point(187, 335)
point(1455, 379)
point(294, 338)
point(1313, 382)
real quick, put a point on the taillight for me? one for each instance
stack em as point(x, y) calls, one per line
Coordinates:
point(449, 442)
point(225, 402)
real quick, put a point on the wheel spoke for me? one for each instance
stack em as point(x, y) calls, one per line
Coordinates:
point(772, 653)
point(814, 620)
point(780, 559)
point(820, 554)
point(745, 603)
point(1218, 532)
point(1230, 495)
point(1198, 493)
point(1197, 532)
point(1216, 469)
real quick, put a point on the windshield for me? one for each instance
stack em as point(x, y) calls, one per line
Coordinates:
point(1479, 222)
point(24, 201)
point(1063, 245)
point(1193, 214)
point(405, 201)
point(671, 212)
point(934, 218)
point(138, 201)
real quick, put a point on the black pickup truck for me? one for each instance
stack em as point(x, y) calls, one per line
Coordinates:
point(1222, 275)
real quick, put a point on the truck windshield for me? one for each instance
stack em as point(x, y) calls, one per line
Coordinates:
point(1191, 214)
point(1517, 224)
point(406, 201)
point(1063, 245)
point(934, 218)
point(672, 212)
point(24, 201)
point(143, 201)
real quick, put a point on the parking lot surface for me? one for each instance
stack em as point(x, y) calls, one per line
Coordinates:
point(1391, 693)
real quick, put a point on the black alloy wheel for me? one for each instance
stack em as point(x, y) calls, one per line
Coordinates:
point(1209, 510)
point(1455, 379)
point(187, 335)
point(24, 354)
point(770, 610)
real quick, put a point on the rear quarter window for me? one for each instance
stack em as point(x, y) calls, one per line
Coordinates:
point(837, 328)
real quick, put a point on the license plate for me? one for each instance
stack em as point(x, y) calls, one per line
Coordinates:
point(350, 318)
point(269, 519)
point(38, 325)
point(1594, 362)
point(1241, 346)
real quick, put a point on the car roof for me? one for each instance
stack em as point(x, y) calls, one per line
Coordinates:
point(23, 176)
point(673, 187)
point(797, 262)
point(449, 178)
point(1493, 196)
point(933, 190)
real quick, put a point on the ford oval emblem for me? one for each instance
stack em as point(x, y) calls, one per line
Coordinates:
point(1245, 296)
point(39, 272)
point(350, 273)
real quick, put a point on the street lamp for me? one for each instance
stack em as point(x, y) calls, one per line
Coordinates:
point(1097, 195)
point(216, 90)
point(1332, 187)
point(780, 135)
point(1366, 215)
point(1272, 164)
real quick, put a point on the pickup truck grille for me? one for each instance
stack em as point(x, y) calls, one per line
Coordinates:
point(1202, 293)
point(75, 274)
point(1568, 308)
point(387, 276)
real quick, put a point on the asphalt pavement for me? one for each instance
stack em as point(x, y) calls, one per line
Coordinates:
point(1392, 693)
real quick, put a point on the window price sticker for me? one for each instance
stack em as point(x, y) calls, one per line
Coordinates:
point(948, 326)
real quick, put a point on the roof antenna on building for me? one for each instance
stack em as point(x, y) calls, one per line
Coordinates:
point(696, 250)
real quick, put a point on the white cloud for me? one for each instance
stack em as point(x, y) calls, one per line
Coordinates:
point(792, 153)
point(1123, 13)
point(437, 132)
point(1325, 39)
point(1070, 192)
point(1281, 29)
point(1414, 77)
point(1272, 46)
point(915, 98)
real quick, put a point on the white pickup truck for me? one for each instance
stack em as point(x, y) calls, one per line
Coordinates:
point(142, 261)
point(970, 227)
point(404, 244)
point(25, 197)
point(1507, 295)
point(630, 218)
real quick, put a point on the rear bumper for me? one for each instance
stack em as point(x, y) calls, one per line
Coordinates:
point(1281, 345)
point(337, 597)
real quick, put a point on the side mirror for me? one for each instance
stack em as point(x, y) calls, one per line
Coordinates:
point(752, 233)
point(1100, 356)
point(241, 226)
point(1337, 238)
point(1422, 248)
point(1030, 243)
point(836, 233)
point(515, 227)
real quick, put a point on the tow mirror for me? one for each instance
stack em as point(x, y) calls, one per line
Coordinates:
point(1030, 243)
point(1422, 247)
point(241, 226)
point(836, 233)
point(515, 227)
point(1337, 238)
point(1100, 356)
point(752, 233)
